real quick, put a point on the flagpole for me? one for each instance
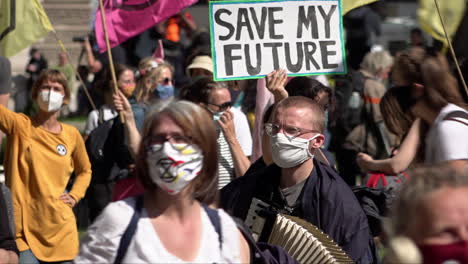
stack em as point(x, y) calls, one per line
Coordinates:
point(451, 48)
point(62, 47)
point(109, 54)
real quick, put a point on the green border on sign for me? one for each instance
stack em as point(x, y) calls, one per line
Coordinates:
point(212, 39)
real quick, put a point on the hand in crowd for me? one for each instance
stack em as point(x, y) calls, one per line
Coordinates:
point(32, 68)
point(363, 161)
point(227, 125)
point(8, 257)
point(87, 45)
point(122, 105)
point(67, 199)
point(275, 82)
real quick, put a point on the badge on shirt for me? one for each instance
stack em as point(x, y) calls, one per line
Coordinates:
point(61, 150)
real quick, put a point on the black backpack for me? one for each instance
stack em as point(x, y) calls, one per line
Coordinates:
point(97, 139)
point(349, 90)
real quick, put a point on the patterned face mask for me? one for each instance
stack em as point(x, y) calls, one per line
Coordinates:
point(173, 166)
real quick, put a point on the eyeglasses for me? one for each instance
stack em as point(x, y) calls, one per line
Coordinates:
point(178, 142)
point(291, 131)
point(224, 106)
point(167, 80)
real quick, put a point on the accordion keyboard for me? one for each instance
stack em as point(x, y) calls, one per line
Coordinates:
point(302, 240)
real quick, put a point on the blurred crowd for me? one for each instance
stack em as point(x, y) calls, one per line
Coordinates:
point(170, 160)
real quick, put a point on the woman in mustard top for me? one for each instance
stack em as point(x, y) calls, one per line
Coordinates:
point(40, 157)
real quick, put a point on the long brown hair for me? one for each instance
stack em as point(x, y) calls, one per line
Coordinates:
point(394, 107)
point(430, 69)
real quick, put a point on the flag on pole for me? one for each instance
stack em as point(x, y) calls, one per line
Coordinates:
point(22, 22)
point(451, 11)
point(159, 51)
point(125, 19)
point(348, 5)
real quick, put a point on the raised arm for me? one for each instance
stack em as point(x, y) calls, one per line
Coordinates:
point(275, 82)
point(241, 162)
point(94, 65)
point(399, 162)
point(123, 106)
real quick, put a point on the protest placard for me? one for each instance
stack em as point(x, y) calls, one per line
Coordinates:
point(251, 38)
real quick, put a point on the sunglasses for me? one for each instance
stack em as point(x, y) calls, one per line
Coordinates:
point(167, 80)
point(224, 106)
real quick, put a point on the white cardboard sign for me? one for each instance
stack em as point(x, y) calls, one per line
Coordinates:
point(251, 38)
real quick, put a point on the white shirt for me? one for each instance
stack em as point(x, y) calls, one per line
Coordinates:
point(93, 118)
point(101, 243)
point(447, 139)
point(225, 162)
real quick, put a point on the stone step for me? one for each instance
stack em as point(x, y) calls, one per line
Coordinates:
point(50, 2)
point(69, 14)
point(66, 34)
point(70, 18)
point(51, 51)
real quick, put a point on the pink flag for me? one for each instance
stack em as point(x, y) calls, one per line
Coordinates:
point(159, 51)
point(127, 18)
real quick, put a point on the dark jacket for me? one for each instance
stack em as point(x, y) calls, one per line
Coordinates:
point(325, 201)
point(7, 239)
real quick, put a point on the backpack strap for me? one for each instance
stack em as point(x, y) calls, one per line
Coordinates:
point(129, 231)
point(215, 221)
point(100, 115)
point(457, 114)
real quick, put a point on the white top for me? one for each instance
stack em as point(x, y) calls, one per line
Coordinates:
point(447, 139)
point(93, 118)
point(225, 162)
point(242, 128)
point(101, 243)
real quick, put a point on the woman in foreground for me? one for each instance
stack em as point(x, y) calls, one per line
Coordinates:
point(177, 165)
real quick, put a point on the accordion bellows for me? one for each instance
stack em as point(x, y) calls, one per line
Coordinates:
point(302, 240)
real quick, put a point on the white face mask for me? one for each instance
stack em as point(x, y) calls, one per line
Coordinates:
point(49, 101)
point(217, 115)
point(289, 153)
point(173, 167)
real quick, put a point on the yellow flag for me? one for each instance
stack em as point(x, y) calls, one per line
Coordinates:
point(348, 5)
point(22, 22)
point(452, 12)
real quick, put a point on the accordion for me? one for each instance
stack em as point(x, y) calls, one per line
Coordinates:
point(300, 239)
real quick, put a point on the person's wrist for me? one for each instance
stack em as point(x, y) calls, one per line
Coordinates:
point(231, 139)
point(129, 117)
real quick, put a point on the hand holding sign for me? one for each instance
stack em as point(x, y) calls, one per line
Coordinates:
point(275, 82)
point(250, 39)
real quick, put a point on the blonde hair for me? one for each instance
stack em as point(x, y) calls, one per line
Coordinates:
point(142, 91)
point(376, 61)
point(318, 116)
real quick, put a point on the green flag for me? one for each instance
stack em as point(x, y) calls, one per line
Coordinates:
point(452, 13)
point(22, 22)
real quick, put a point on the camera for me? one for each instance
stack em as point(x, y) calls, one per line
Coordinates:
point(78, 39)
point(91, 37)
